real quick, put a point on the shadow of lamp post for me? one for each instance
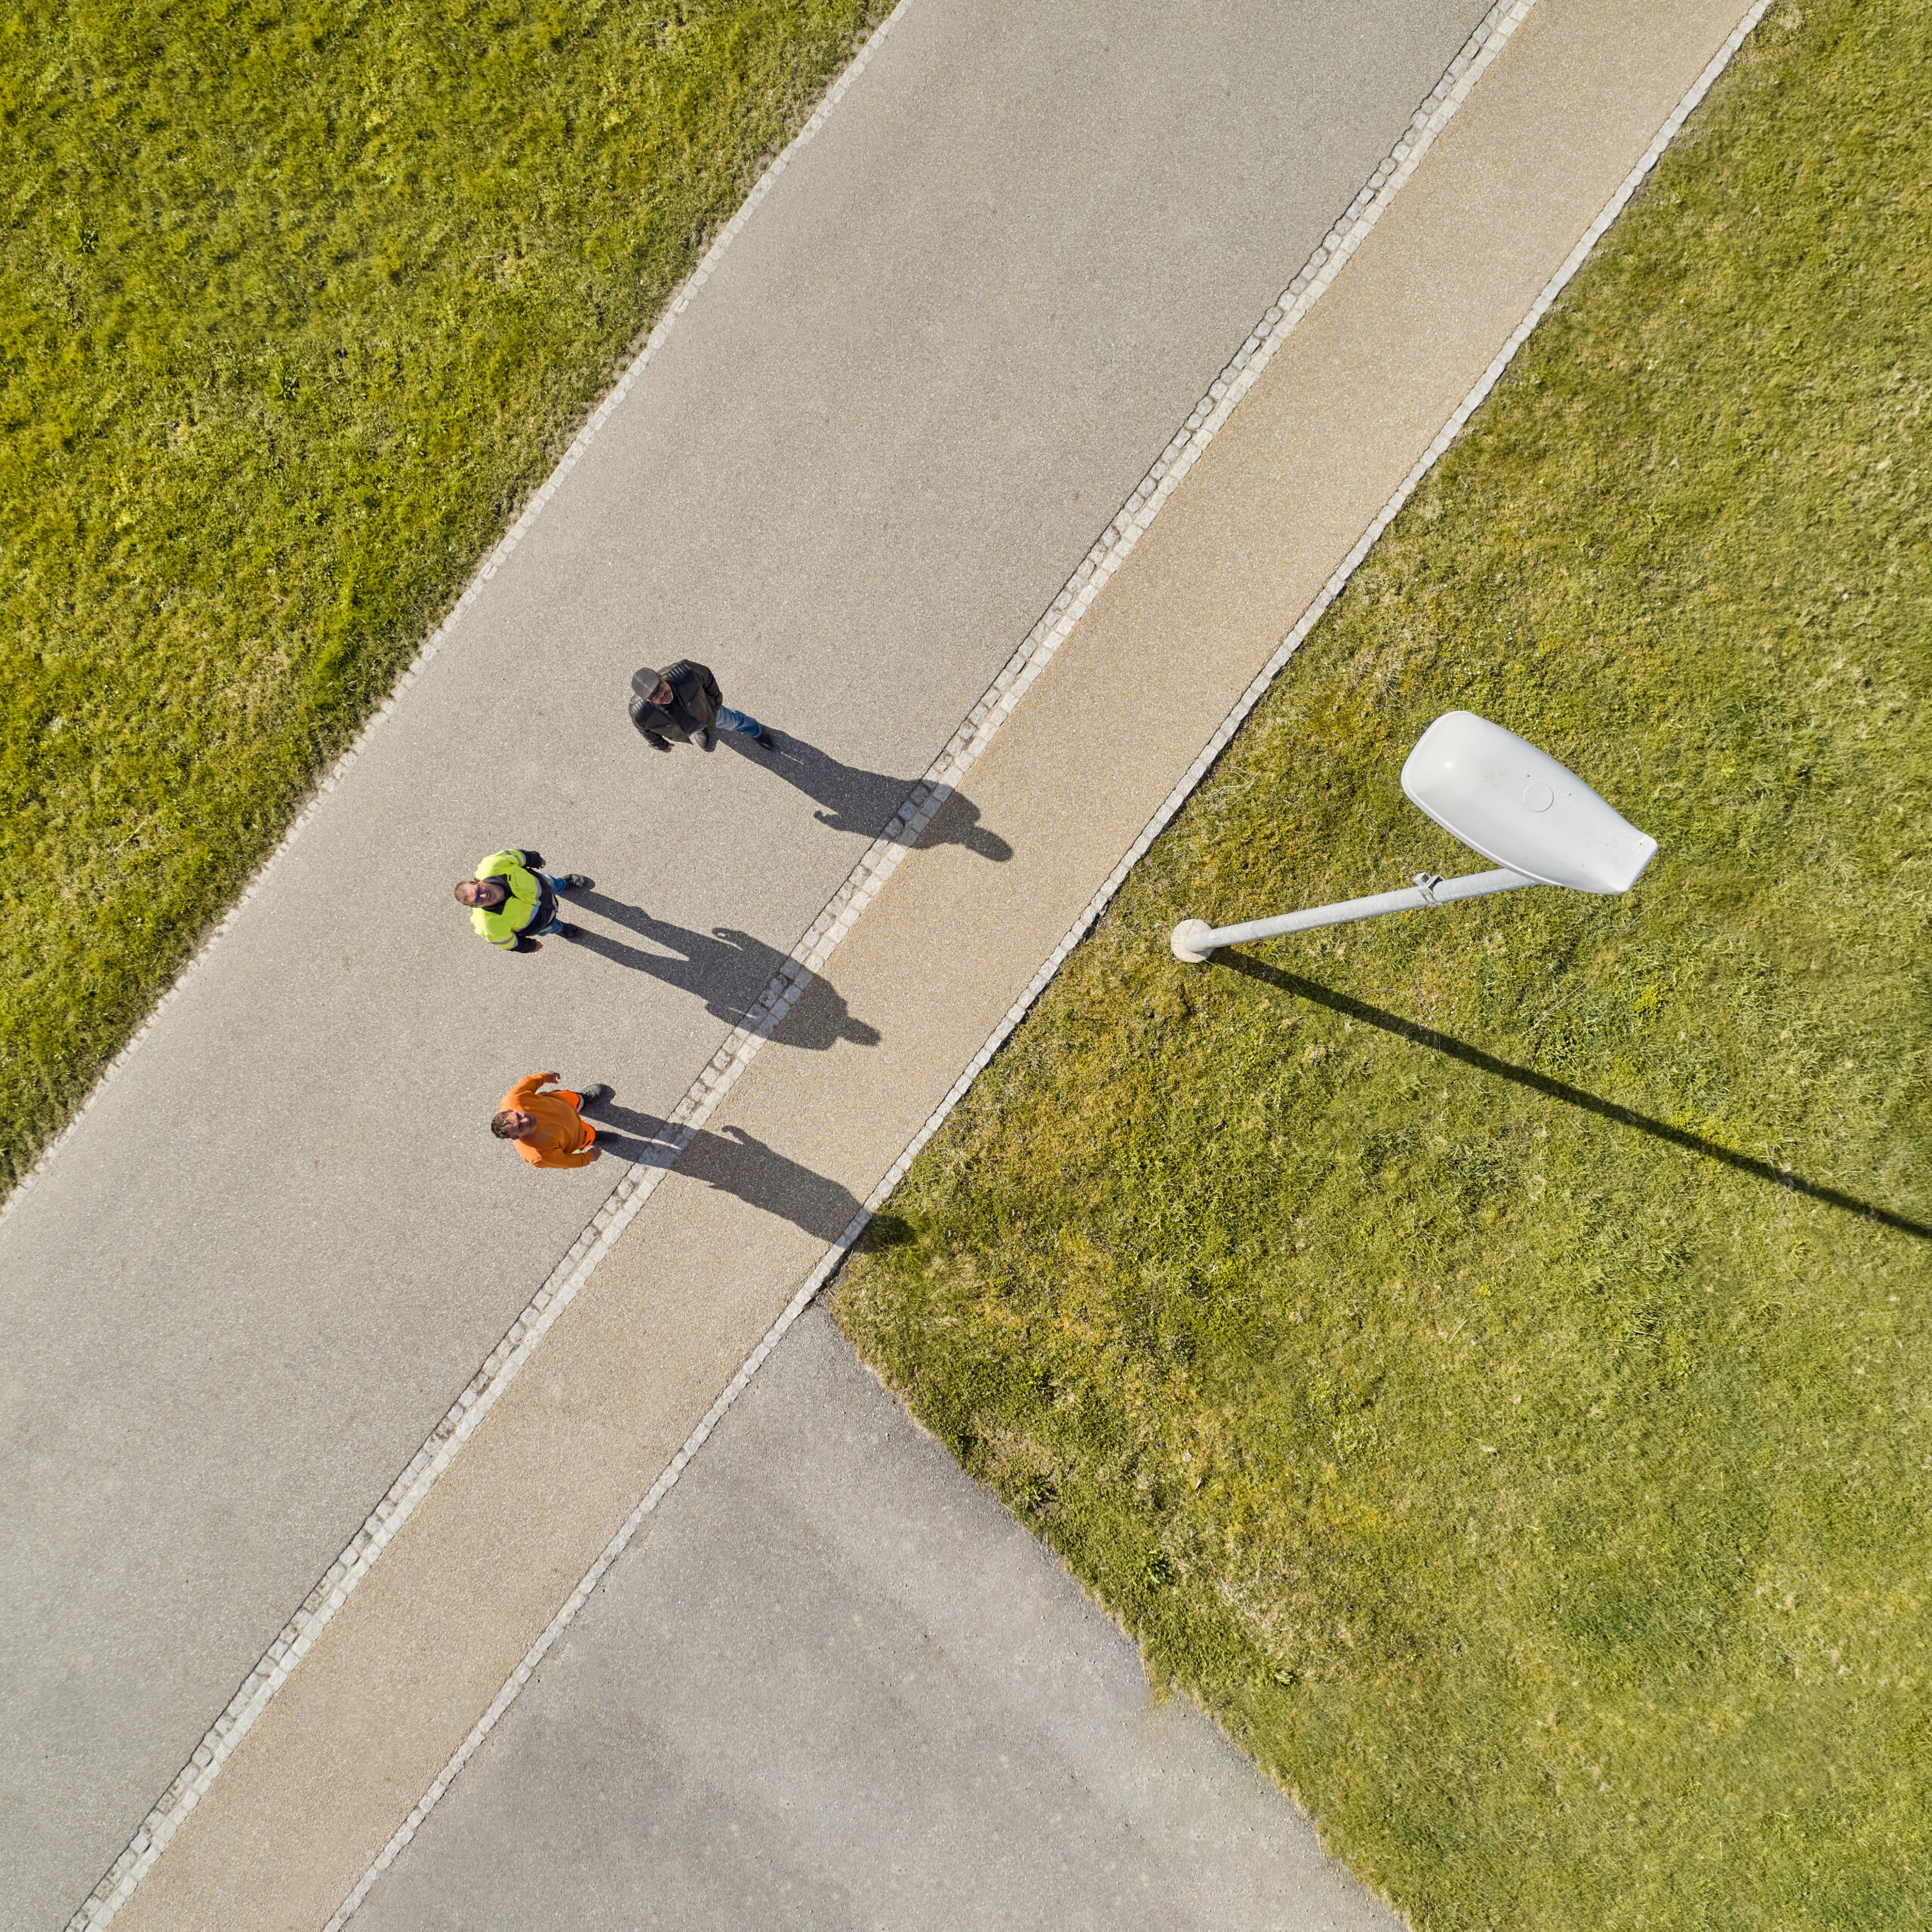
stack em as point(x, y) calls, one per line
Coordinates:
point(1500, 796)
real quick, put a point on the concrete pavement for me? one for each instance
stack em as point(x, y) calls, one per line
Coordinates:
point(1354, 398)
point(924, 376)
point(923, 1724)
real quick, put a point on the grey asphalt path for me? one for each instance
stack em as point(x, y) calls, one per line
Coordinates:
point(925, 1725)
point(937, 359)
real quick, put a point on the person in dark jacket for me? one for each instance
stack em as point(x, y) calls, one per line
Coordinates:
point(682, 702)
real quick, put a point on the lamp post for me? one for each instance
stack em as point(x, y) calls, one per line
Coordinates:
point(1498, 795)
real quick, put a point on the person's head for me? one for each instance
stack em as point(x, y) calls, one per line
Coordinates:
point(652, 686)
point(513, 1124)
point(488, 892)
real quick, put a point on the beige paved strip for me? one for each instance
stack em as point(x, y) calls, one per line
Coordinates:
point(1351, 402)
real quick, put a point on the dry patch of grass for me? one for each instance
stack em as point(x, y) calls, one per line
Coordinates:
point(1541, 1497)
point(295, 300)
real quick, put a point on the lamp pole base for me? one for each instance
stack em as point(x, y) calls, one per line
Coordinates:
point(1186, 942)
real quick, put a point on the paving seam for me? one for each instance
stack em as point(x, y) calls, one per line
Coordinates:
point(808, 959)
point(837, 1252)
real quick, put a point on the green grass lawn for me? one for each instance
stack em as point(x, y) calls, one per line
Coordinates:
point(295, 300)
point(1540, 1495)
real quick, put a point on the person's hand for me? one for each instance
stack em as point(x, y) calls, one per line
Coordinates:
point(532, 861)
point(547, 1079)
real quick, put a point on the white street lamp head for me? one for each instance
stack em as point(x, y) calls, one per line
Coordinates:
point(1497, 792)
point(1513, 804)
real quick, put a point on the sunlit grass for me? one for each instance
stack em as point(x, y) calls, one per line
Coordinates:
point(1544, 1499)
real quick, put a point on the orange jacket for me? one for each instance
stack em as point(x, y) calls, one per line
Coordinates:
point(563, 1139)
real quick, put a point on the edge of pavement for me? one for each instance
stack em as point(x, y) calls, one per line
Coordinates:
point(450, 1616)
point(928, 797)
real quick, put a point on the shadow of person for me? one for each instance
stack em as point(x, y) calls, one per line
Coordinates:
point(732, 1161)
point(818, 1018)
point(728, 970)
point(850, 799)
point(957, 823)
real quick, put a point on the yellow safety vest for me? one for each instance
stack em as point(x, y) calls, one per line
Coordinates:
point(500, 924)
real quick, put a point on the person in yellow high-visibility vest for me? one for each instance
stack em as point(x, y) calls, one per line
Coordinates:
point(513, 902)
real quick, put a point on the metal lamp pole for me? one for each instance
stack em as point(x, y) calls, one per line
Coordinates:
point(1502, 797)
point(1193, 940)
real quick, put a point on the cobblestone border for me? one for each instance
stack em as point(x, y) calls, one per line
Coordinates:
point(808, 959)
point(1502, 21)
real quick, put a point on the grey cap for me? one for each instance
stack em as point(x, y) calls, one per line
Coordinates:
point(644, 680)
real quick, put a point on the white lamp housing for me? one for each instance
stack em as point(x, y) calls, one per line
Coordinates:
point(1513, 804)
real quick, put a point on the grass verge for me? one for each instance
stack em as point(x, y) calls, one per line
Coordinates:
point(296, 301)
point(1374, 1323)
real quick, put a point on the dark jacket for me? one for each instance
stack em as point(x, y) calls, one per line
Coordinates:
point(695, 702)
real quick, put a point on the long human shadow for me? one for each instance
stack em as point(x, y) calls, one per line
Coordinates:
point(1557, 1090)
point(733, 1162)
point(852, 799)
point(727, 969)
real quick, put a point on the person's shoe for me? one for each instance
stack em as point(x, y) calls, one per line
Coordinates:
point(578, 882)
point(596, 1095)
point(705, 741)
point(767, 742)
point(569, 932)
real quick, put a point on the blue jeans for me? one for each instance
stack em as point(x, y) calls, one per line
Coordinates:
point(729, 720)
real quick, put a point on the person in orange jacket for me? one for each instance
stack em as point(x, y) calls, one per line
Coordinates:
point(548, 1128)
